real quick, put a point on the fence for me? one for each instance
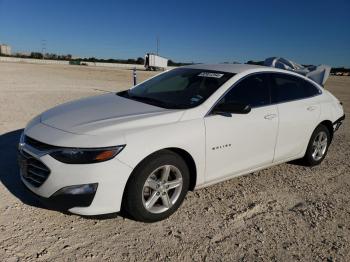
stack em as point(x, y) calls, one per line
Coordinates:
point(60, 62)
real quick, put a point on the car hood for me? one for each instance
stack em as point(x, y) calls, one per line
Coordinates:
point(106, 113)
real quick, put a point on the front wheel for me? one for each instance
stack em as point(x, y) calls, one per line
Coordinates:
point(157, 187)
point(318, 146)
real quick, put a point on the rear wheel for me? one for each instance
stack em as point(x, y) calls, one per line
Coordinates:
point(157, 187)
point(318, 146)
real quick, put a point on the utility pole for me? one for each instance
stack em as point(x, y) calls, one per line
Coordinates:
point(43, 47)
point(157, 45)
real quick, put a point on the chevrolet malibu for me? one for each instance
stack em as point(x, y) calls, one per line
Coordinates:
point(140, 151)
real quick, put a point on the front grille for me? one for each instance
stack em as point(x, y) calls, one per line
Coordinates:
point(33, 171)
point(37, 144)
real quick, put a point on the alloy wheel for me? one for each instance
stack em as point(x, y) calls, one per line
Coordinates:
point(319, 146)
point(162, 189)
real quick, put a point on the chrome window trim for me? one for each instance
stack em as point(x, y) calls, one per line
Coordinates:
point(271, 104)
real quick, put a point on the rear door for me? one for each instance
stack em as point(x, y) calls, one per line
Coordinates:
point(239, 142)
point(298, 112)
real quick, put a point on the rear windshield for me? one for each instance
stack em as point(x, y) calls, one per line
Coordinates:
point(178, 88)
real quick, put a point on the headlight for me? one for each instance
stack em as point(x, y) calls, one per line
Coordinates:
point(85, 155)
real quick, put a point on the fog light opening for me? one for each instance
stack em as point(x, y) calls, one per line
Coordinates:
point(78, 190)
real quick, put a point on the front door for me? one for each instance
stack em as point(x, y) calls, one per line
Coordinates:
point(239, 142)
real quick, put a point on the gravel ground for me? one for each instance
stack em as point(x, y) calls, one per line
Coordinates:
point(284, 213)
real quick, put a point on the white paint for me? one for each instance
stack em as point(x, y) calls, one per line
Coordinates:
point(251, 138)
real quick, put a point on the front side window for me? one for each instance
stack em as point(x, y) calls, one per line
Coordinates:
point(178, 88)
point(253, 91)
point(288, 88)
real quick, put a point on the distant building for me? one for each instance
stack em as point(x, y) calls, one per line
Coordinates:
point(22, 54)
point(5, 50)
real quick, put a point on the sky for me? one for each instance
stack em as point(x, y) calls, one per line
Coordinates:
point(307, 32)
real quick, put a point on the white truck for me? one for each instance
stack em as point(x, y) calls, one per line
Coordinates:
point(155, 62)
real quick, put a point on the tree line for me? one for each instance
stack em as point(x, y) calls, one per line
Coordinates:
point(69, 57)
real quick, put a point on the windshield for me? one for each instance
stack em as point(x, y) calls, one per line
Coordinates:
point(178, 88)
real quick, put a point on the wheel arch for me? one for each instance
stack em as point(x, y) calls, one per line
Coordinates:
point(191, 164)
point(186, 156)
point(181, 153)
point(329, 125)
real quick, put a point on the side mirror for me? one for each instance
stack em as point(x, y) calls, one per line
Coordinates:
point(234, 108)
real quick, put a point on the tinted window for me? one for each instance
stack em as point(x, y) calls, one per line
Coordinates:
point(253, 90)
point(178, 88)
point(287, 88)
point(311, 90)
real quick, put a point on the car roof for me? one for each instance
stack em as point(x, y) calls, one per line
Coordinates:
point(229, 68)
point(239, 68)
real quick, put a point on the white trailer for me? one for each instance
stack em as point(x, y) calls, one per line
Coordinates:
point(155, 62)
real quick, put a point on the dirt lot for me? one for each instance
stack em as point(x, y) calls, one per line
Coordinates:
point(284, 213)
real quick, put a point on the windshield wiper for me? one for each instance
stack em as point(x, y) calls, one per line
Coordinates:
point(149, 100)
point(153, 101)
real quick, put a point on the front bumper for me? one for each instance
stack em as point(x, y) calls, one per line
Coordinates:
point(111, 177)
point(63, 200)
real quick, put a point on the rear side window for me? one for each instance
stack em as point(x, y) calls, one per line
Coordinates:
point(311, 90)
point(253, 90)
point(288, 88)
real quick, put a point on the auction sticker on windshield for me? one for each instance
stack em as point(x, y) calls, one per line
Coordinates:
point(210, 74)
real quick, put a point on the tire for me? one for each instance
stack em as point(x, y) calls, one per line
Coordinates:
point(311, 158)
point(147, 202)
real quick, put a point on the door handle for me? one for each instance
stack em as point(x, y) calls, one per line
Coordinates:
point(311, 108)
point(270, 116)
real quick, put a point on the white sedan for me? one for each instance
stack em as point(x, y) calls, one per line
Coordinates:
point(139, 151)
